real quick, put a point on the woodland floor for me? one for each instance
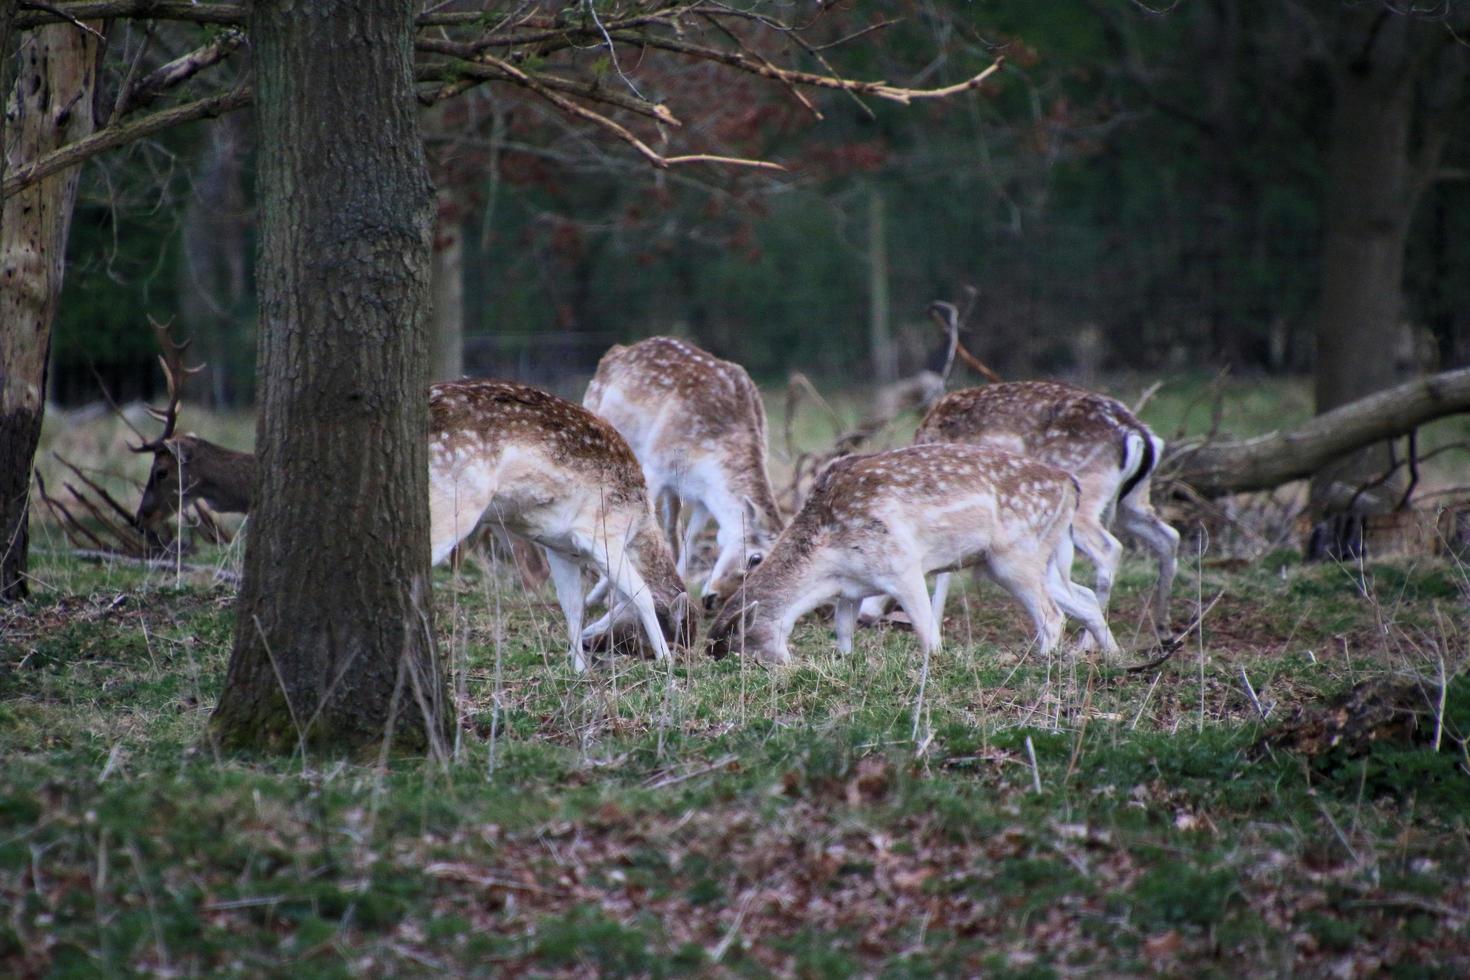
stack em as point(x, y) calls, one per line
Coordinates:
point(721, 818)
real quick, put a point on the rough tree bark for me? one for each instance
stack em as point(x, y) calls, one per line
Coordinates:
point(1371, 193)
point(50, 104)
point(1279, 457)
point(333, 638)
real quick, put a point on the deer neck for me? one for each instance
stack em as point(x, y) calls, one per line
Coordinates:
point(223, 477)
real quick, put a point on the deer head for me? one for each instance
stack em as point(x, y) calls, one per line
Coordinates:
point(169, 483)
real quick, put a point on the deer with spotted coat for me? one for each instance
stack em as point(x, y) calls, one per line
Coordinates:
point(698, 428)
point(550, 471)
point(1097, 440)
point(877, 524)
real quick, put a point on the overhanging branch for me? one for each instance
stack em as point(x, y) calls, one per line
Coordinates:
point(18, 178)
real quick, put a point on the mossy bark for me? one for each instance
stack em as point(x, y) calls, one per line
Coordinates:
point(334, 637)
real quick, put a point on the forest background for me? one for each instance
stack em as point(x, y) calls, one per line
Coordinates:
point(1138, 189)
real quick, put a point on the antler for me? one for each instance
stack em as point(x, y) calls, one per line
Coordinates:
point(175, 372)
point(949, 319)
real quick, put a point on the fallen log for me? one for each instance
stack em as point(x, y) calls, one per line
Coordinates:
point(1260, 463)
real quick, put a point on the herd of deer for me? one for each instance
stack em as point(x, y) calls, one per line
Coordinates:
point(1008, 478)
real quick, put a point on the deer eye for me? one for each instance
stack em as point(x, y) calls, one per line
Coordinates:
point(755, 559)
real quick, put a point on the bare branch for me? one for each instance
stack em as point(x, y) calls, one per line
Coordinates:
point(60, 15)
point(882, 90)
point(462, 75)
point(197, 13)
point(179, 70)
point(620, 131)
point(19, 178)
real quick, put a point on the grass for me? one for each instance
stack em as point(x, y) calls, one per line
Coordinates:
point(700, 818)
point(649, 821)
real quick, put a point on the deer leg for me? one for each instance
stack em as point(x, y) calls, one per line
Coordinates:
point(1138, 517)
point(599, 591)
point(1079, 602)
point(1100, 546)
point(613, 561)
point(566, 575)
point(1023, 576)
point(844, 619)
point(913, 598)
point(873, 609)
point(941, 593)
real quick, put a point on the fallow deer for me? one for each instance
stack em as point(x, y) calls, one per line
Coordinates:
point(698, 428)
point(551, 471)
point(1091, 436)
point(186, 467)
point(876, 524)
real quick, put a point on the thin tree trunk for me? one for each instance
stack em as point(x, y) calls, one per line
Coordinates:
point(51, 104)
point(1368, 208)
point(333, 636)
point(213, 276)
point(447, 331)
point(880, 334)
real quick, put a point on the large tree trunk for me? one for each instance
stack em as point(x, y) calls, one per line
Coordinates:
point(1368, 208)
point(1279, 457)
point(333, 636)
point(51, 104)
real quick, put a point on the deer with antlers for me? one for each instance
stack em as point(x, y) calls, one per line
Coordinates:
point(187, 468)
point(877, 524)
point(698, 427)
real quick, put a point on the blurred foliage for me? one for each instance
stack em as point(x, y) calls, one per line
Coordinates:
point(1154, 178)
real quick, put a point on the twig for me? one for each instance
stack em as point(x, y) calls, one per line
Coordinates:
point(1251, 693)
point(666, 780)
point(1174, 643)
point(1035, 769)
point(56, 11)
point(118, 508)
point(1147, 396)
point(723, 946)
point(103, 555)
point(618, 130)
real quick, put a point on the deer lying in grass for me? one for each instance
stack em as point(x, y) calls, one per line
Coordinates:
point(551, 471)
point(876, 524)
point(187, 468)
point(698, 428)
point(1091, 436)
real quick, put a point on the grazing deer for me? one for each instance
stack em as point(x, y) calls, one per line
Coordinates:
point(698, 428)
point(1095, 438)
point(186, 468)
point(876, 524)
point(551, 471)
